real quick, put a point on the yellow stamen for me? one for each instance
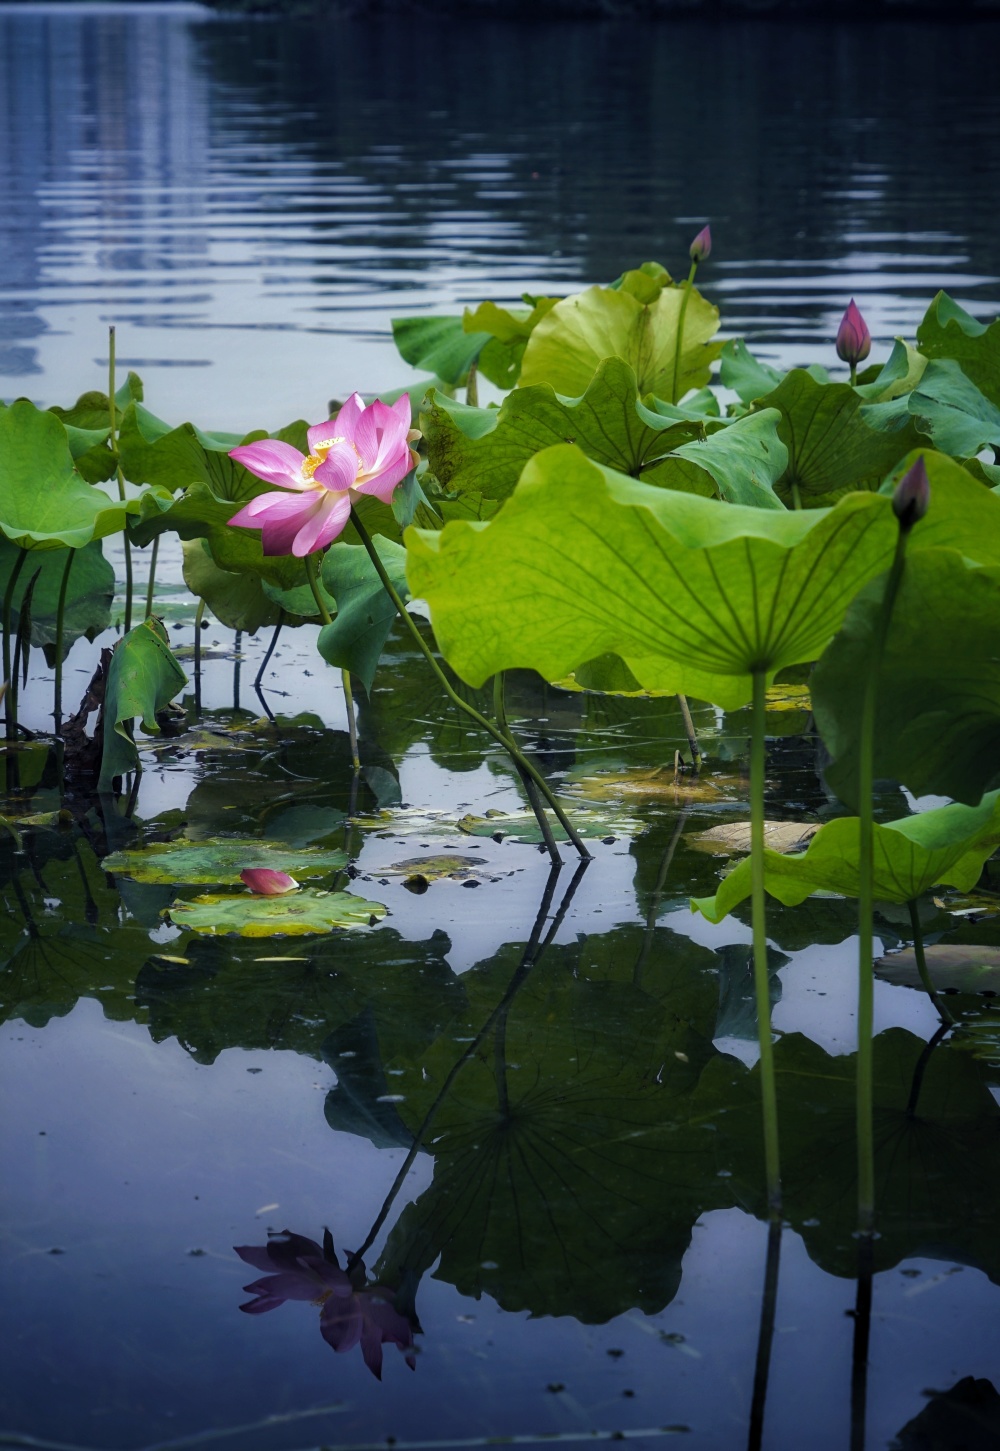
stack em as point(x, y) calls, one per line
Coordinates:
point(318, 456)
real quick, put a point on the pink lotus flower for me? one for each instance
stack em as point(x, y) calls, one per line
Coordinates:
point(361, 451)
point(351, 1312)
point(266, 882)
point(854, 341)
point(701, 248)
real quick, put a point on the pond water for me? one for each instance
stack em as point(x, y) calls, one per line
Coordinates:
point(530, 1098)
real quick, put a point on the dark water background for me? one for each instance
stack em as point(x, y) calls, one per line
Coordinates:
point(250, 203)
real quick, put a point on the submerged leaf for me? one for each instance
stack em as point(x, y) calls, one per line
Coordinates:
point(300, 914)
point(220, 860)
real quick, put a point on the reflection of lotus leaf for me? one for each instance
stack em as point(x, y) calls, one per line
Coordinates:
point(299, 914)
point(956, 966)
point(219, 860)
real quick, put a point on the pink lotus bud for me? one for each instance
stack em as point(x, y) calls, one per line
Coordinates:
point(912, 496)
point(700, 249)
point(265, 882)
point(854, 341)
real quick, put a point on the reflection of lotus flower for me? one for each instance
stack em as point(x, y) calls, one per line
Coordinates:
point(351, 1311)
point(912, 495)
point(361, 451)
point(266, 882)
point(854, 341)
point(701, 248)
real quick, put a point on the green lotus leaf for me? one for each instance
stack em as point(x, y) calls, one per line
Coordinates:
point(365, 613)
point(299, 914)
point(485, 449)
point(953, 966)
point(142, 679)
point(952, 412)
point(636, 322)
point(152, 452)
point(740, 463)
point(691, 594)
point(938, 706)
point(836, 443)
point(522, 826)
point(947, 845)
point(509, 329)
point(88, 427)
point(238, 601)
point(218, 861)
point(438, 345)
point(89, 593)
point(746, 375)
point(898, 375)
point(197, 513)
point(44, 503)
point(948, 331)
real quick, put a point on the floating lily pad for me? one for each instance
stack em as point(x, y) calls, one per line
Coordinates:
point(408, 821)
point(300, 914)
point(659, 784)
point(220, 860)
point(521, 825)
point(957, 966)
point(733, 837)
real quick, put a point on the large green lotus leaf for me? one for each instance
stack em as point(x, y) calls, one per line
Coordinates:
point(218, 861)
point(947, 845)
point(963, 514)
point(691, 593)
point(568, 345)
point(365, 613)
point(834, 440)
point(952, 412)
point(740, 463)
point(88, 427)
point(938, 706)
point(198, 514)
point(142, 679)
point(44, 503)
point(898, 375)
point(509, 329)
point(485, 449)
point(299, 914)
point(238, 601)
point(171, 458)
point(948, 331)
point(438, 345)
point(746, 375)
point(567, 1171)
point(89, 593)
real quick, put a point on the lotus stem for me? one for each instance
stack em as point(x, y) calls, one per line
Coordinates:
point(197, 656)
point(925, 977)
point(517, 756)
point(679, 346)
point(472, 387)
point(10, 706)
point(796, 496)
point(765, 1336)
point(762, 991)
point(22, 645)
point(120, 475)
point(345, 675)
point(151, 586)
point(269, 652)
point(922, 1063)
point(689, 731)
point(500, 710)
point(866, 855)
point(60, 619)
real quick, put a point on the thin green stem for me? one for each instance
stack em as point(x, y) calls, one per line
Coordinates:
point(796, 496)
point(866, 865)
point(925, 977)
point(60, 620)
point(762, 992)
point(679, 346)
point(345, 675)
point(151, 586)
point(500, 711)
point(516, 755)
point(8, 604)
point(854, 374)
point(120, 475)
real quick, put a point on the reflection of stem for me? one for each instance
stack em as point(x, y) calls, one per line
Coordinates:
point(270, 651)
point(60, 619)
point(237, 663)
point(151, 586)
point(921, 1068)
point(925, 977)
point(500, 710)
point(762, 986)
point(862, 1336)
point(689, 731)
point(661, 880)
point(22, 645)
point(518, 757)
point(345, 675)
point(866, 870)
point(197, 656)
point(8, 602)
point(532, 953)
point(121, 476)
point(679, 346)
point(765, 1335)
